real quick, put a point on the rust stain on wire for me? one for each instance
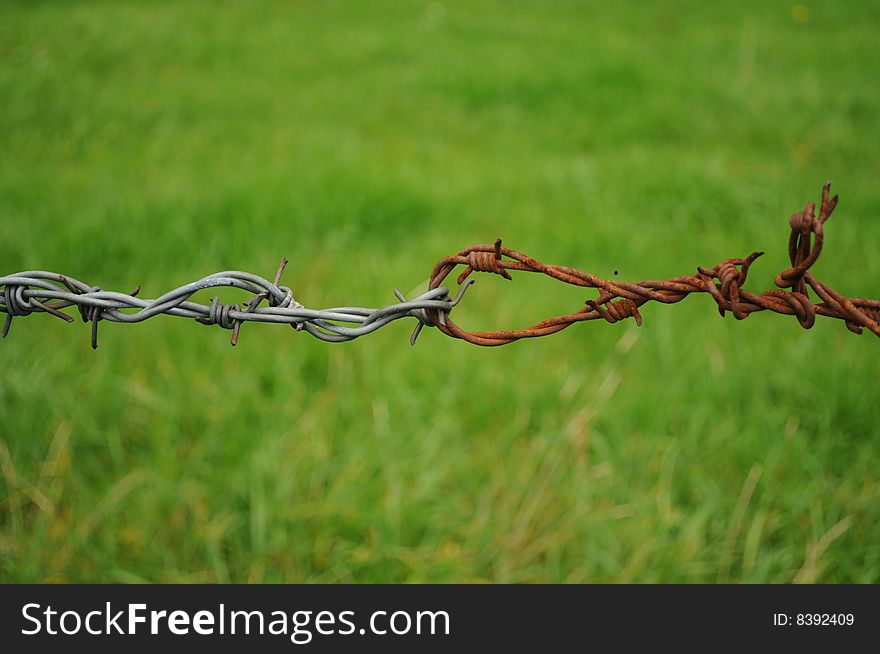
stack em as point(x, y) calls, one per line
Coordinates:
point(38, 291)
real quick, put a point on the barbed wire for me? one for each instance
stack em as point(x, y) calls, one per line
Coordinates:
point(37, 291)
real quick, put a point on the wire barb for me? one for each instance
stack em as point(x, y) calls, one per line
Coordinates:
point(38, 291)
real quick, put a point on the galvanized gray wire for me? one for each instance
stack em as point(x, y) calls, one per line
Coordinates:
point(35, 291)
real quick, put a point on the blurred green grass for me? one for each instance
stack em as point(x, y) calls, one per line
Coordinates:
point(153, 143)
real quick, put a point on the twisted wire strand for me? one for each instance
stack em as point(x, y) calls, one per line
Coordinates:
point(37, 291)
point(620, 300)
point(42, 291)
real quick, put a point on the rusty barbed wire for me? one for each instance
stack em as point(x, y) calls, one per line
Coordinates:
point(39, 291)
point(620, 300)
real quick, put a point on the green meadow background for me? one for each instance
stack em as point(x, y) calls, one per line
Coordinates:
point(154, 143)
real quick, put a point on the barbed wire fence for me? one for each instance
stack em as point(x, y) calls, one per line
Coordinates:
point(39, 291)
